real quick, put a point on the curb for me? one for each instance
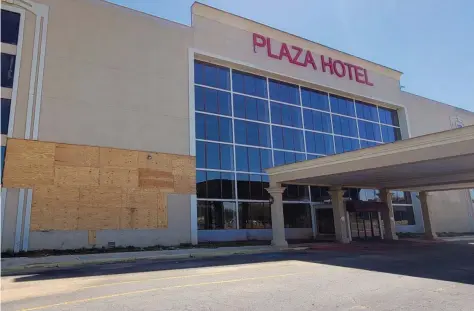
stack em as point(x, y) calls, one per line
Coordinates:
point(191, 255)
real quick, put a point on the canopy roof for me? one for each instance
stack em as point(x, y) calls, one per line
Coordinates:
point(438, 161)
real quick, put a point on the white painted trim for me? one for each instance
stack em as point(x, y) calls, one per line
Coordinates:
point(26, 226)
point(19, 221)
point(39, 86)
point(4, 202)
point(8, 48)
point(7, 92)
point(194, 220)
point(31, 93)
point(19, 48)
point(4, 140)
point(192, 112)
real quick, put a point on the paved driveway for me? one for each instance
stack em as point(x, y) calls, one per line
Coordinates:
point(403, 277)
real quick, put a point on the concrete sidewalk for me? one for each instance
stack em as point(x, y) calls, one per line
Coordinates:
point(18, 264)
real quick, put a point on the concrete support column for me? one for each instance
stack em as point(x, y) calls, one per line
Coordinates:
point(339, 211)
point(430, 232)
point(278, 222)
point(387, 215)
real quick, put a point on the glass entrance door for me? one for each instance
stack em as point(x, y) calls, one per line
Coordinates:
point(365, 225)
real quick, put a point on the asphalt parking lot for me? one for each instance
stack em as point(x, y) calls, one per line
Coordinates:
point(410, 276)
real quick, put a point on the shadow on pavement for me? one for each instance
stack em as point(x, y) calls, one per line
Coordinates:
point(441, 261)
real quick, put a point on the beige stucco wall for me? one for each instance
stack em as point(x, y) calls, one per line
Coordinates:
point(115, 77)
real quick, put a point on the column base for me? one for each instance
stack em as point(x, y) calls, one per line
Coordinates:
point(344, 241)
point(280, 244)
point(390, 237)
point(430, 236)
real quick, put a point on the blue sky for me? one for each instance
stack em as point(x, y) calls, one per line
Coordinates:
point(430, 41)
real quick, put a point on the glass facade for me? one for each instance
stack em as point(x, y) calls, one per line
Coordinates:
point(246, 123)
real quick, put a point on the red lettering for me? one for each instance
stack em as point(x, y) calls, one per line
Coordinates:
point(359, 74)
point(325, 64)
point(339, 72)
point(367, 78)
point(284, 51)
point(308, 59)
point(349, 69)
point(297, 56)
point(269, 50)
point(258, 40)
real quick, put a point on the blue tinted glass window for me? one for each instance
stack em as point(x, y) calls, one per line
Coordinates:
point(241, 158)
point(286, 138)
point(319, 143)
point(200, 126)
point(342, 105)
point(284, 92)
point(344, 144)
point(250, 108)
point(286, 114)
point(279, 158)
point(254, 160)
point(366, 111)
point(251, 133)
point(6, 103)
point(344, 126)
point(214, 189)
point(200, 154)
point(299, 157)
point(212, 156)
point(312, 156)
point(227, 184)
point(317, 120)
point(225, 129)
point(369, 130)
point(390, 134)
point(388, 116)
point(314, 99)
point(367, 144)
point(289, 158)
point(2, 161)
point(210, 100)
point(211, 75)
point(10, 27)
point(201, 187)
point(226, 157)
point(249, 84)
point(243, 186)
point(8, 70)
point(213, 128)
point(266, 158)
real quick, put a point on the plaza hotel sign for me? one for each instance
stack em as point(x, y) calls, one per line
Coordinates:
point(304, 58)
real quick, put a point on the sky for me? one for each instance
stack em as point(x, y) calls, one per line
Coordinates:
point(430, 41)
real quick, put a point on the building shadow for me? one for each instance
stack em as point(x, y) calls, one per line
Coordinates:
point(452, 261)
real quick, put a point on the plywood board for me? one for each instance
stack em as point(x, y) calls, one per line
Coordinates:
point(185, 184)
point(99, 208)
point(156, 161)
point(118, 158)
point(120, 177)
point(76, 155)
point(184, 165)
point(162, 211)
point(91, 237)
point(143, 208)
point(54, 208)
point(153, 179)
point(76, 176)
point(28, 163)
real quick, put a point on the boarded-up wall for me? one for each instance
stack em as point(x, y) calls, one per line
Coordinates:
point(92, 188)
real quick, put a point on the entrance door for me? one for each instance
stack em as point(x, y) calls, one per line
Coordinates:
point(325, 221)
point(365, 225)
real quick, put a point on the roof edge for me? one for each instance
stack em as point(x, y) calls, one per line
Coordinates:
point(203, 10)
